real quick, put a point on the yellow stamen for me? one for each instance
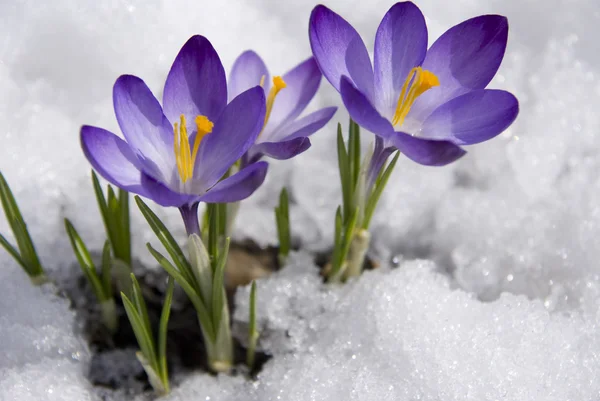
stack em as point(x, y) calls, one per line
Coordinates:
point(181, 145)
point(417, 82)
point(262, 81)
point(278, 84)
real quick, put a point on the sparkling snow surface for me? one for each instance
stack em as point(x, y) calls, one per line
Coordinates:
point(496, 290)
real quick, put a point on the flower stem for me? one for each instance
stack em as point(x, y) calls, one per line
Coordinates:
point(357, 253)
point(189, 213)
point(219, 351)
point(40, 279)
point(109, 314)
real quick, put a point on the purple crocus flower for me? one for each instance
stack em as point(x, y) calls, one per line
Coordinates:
point(426, 103)
point(177, 154)
point(284, 135)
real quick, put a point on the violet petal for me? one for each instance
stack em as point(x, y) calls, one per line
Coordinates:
point(233, 134)
point(400, 45)
point(247, 72)
point(239, 186)
point(363, 112)
point(196, 83)
point(473, 117)
point(112, 158)
point(339, 50)
point(425, 151)
point(145, 127)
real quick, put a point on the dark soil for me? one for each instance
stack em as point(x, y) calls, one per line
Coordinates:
point(114, 365)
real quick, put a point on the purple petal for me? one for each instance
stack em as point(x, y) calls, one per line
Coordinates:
point(339, 50)
point(112, 158)
point(302, 127)
point(146, 129)
point(162, 195)
point(464, 58)
point(473, 117)
point(247, 72)
point(196, 84)
point(302, 84)
point(233, 134)
point(239, 186)
point(425, 151)
point(281, 150)
point(400, 45)
point(362, 111)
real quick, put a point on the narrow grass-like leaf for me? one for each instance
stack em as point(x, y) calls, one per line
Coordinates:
point(353, 154)
point(85, 261)
point(252, 331)
point(162, 333)
point(28, 255)
point(153, 376)
point(106, 270)
point(343, 243)
point(13, 252)
point(345, 172)
point(165, 238)
point(142, 333)
point(218, 291)
point(349, 232)
point(213, 233)
point(100, 198)
point(140, 304)
point(124, 226)
point(337, 256)
point(380, 184)
point(114, 222)
point(222, 223)
point(282, 218)
point(189, 289)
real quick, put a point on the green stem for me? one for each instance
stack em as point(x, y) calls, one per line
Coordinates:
point(252, 331)
point(40, 279)
point(357, 253)
point(109, 314)
point(219, 351)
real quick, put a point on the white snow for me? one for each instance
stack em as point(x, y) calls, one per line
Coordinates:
point(503, 301)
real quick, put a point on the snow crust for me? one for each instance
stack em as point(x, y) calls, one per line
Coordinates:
point(495, 294)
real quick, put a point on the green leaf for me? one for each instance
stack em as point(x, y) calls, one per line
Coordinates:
point(345, 172)
point(140, 304)
point(213, 233)
point(85, 261)
point(337, 256)
point(28, 255)
point(218, 290)
point(353, 154)
point(222, 223)
point(342, 243)
point(13, 252)
point(202, 269)
point(380, 184)
point(282, 218)
point(100, 198)
point(166, 239)
point(142, 333)
point(252, 331)
point(106, 270)
point(189, 289)
point(349, 232)
point(162, 332)
point(125, 253)
point(161, 388)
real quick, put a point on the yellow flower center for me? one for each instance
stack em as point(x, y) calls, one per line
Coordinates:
point(278, 84)
point(184, 156)
point(417, 82)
